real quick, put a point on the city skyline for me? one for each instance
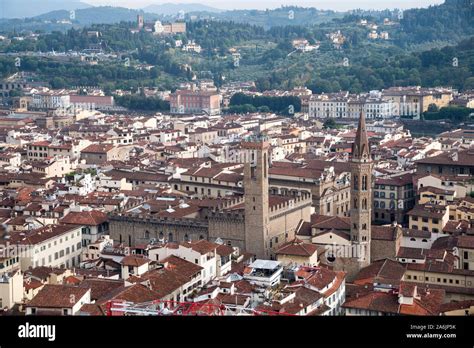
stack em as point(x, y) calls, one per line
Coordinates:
point(191, 160)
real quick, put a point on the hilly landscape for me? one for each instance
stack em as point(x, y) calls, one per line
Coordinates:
point(429, 47)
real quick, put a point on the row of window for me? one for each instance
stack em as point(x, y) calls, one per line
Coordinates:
point(161, 235)
point(381, 194)
point(43, 247)
point(439, 280)
point(382, 204)
point(9, 262)
point(424, 228)
point(60, 254)
point(425, 219)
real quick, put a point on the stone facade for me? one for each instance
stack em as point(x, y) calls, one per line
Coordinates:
point(132, 230)
point(361, 198)
point(258, 222)
point(257, 202)
point(385, 246)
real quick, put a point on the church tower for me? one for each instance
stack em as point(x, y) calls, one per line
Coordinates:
point(361, 197)
point(256, 197)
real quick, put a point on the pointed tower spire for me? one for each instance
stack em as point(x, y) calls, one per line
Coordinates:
point(361, 200)
point(360, 148)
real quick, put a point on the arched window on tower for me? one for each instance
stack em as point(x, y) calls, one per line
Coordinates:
point(364, 203)
point(356, 182)
point(364, 183)
point(355, 203)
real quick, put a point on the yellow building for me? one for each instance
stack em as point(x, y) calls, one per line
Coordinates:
point(436, 195)
point(297, 252)
point(431, 218)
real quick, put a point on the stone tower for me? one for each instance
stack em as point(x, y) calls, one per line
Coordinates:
point(256, 197)
point(361, 199)
point(140, 22)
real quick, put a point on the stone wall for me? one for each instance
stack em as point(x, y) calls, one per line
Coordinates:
point(141, 230)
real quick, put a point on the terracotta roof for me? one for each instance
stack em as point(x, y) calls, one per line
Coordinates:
point(464, 158)
point(408, 232)
point(224, 250)
point(164, 281)
point(319, 277)
point(100, 287)
point(181, 266)
point(429, 211)
point(234, 299)
point(98, 148)
point(40, 235)
point(466, 242)
point(457, 305)
point(136, 293)
point(201, 246)
point(297, 248)
point(383, 271)
point(32, 283)
point(384, 232)
point(57, 296)
point(43, 273)
point(399, 180)
point(88, 218)
point(134, 261)
point(450, 242)
point(331, 222)
point(375, 301)
point(436, 190)
point(411, 253)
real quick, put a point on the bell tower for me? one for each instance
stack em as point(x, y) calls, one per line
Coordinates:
point(256, 197)
point(361, 196)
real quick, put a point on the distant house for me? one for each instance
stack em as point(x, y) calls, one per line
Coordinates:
point(94, 224)
point(102, 153)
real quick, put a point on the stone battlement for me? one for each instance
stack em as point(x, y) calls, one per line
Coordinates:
point(230, 203)
point(302, 199)
point(144, 218)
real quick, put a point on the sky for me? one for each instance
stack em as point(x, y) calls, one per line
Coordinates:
point(338, 5)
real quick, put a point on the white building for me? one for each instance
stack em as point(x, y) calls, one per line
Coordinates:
point(82, 185)
point(202, 253)
point(52, 99)
point(266, 273)
point(329, 105)
point(11, 282)
point(192, 47)
point(134, 266)
point(53, 246)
